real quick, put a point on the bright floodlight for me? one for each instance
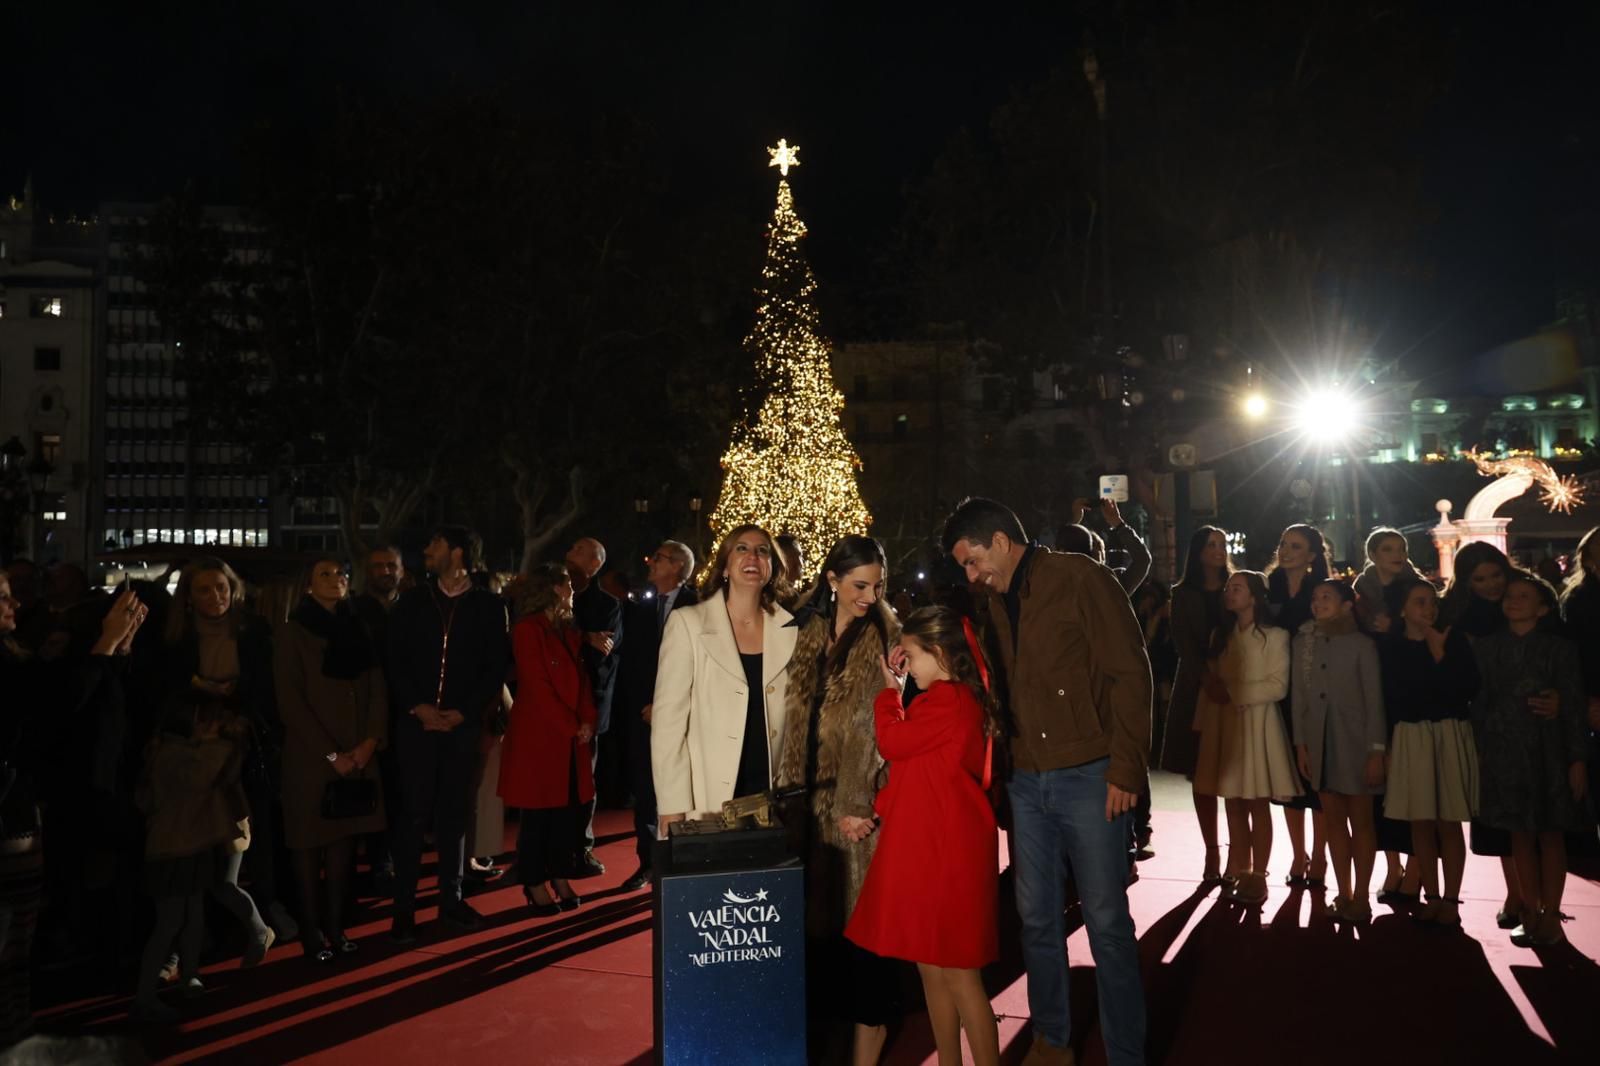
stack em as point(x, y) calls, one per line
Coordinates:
point(1255, 406)
point(1328, 415)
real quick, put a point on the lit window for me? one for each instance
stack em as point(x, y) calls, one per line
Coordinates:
point(46, 307)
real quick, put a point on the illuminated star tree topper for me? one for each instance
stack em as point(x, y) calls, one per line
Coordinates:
point(789, 466)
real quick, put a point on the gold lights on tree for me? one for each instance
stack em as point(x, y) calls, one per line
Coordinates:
point(789, 466)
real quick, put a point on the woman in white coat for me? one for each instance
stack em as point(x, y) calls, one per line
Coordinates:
point(1245, 751)
point(716, 730)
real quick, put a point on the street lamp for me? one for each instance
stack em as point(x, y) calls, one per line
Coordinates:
point(1328, 416)
point(695, 504)
point(1254, 406)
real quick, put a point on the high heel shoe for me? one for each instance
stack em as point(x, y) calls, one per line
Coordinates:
point(540, 910)
point(568, 900)
point(1252, 889)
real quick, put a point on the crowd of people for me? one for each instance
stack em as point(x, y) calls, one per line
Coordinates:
point(229, 762)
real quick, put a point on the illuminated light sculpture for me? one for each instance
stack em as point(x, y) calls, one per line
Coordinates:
point(789, 466)
point(1513, 476)
point(1555, 492)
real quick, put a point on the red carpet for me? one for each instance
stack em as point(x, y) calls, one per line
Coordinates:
point(1223, 987)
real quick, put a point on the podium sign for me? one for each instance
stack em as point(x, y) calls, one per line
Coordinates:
point(730, 967)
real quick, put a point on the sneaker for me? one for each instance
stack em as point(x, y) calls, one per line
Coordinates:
point(191, 987)
point(280, 919)
point(588, 865)
point(403, 930)
point(169, 970)
point(460, 913)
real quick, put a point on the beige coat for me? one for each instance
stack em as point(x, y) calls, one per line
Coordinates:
point(697, 724)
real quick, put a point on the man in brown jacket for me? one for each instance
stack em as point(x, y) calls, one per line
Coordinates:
point(1078, 683)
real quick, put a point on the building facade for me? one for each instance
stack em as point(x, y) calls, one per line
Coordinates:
point(50, 311)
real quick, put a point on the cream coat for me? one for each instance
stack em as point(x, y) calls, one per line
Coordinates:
point(697, 724)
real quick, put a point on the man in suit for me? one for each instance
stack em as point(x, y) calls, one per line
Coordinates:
point(599, 616)
point(671, 567)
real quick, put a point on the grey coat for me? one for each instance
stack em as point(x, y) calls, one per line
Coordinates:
point(1338, 706)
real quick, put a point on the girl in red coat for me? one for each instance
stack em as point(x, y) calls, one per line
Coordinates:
point(930, 894)
point(545, 767)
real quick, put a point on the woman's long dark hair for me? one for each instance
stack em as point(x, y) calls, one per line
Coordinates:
point(1229, 624)
point(1319, 557)
point(1458, 594)
point(1581, 574)
point(846, 555)
point(1194, 571)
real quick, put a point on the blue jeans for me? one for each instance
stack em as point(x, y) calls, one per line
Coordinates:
point(1060, 817)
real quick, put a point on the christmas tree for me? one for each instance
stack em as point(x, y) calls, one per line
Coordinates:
point(789, 466)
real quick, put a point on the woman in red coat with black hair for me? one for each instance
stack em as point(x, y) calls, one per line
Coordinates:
point(545, 767)
point(930, 894)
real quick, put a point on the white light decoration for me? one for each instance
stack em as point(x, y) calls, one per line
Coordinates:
point(1517, 474)
point(784, 156)
point(1255, 406)
point(789, 466)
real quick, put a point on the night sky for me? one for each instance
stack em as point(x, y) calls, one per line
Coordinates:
point(123, 103)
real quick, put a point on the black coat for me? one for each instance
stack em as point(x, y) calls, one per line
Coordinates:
point(479, 652)
point(636, 676)
point(595, 610)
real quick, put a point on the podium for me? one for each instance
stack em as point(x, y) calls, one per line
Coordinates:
point(729, 944)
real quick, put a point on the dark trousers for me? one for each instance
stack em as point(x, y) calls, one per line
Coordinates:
point(589, 808)
point(436, 774)
point(642, 780)
point(380, 844)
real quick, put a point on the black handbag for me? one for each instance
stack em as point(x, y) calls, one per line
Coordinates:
point(350, 797)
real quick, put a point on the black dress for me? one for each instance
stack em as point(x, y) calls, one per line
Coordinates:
point(1481, 618)
point(1292, 612)
point(755, 765)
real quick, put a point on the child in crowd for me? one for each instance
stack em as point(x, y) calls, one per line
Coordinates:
point(1300, 562)
point(1341, 736)
point(930, 893)
point(1379, 591)
point(1244, 749)
point(196, 818)
point(1429, 680)
point(1471, 605)
point(1530, 726)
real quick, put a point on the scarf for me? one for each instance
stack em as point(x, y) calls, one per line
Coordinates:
point(217, 642)
point(349, 652)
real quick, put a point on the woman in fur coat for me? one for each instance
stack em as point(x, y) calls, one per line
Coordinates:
point(830, 748)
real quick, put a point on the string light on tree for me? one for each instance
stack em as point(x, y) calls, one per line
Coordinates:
point(789, 466)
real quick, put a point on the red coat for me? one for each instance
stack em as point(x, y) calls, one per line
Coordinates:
point(553, 699)
point(931, 892)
